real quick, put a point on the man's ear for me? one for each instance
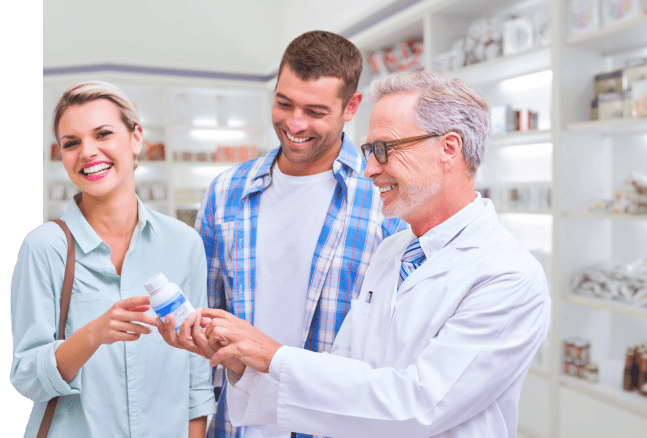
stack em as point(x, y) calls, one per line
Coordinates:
point(351, 106)
point(452, 149)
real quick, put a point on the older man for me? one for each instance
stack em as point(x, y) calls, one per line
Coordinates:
point(449, 316)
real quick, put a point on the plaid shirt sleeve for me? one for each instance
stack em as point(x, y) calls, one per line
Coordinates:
point(206, 225)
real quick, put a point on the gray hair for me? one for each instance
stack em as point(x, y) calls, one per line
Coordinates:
point(446, 104)
point(92, 90)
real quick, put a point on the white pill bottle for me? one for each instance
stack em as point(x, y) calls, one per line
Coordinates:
point(168, 299)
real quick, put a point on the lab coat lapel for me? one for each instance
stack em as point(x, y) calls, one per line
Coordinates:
point(439, 263)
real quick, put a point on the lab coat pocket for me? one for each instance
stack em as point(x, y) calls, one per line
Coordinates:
point(360, 318)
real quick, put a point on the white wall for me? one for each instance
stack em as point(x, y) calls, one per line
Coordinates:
point(242, 36)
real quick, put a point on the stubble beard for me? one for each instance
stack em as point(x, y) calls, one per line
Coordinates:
point(410, 197)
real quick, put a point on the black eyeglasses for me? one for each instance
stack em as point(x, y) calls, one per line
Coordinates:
point(380, 148)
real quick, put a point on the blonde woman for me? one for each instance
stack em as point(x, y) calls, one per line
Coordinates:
point(116, 377)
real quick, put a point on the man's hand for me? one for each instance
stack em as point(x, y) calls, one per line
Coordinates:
point(192, 338)
point(233, 337)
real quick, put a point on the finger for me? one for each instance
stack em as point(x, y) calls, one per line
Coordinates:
point(202, 342)
point(168, 333)
point(139, 309)
point(133, 302)
point(219, 313)
point(124, 336)
point(185, 329)
point(128, 315)
point(130, 327)
point(216, 322)
point(222, 355)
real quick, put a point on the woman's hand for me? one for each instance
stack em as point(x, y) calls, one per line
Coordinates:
point(119, 323)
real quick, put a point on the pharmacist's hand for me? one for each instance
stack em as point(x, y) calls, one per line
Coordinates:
point(238, 339)
point(119, 323)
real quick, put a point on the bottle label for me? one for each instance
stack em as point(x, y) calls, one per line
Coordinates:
point(170, 305)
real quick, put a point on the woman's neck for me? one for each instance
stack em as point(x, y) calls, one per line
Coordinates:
point(113, 215)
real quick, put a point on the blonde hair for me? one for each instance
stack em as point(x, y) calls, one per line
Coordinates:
point(445, 104)
point(92, 90)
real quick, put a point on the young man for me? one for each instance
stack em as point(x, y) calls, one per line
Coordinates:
point(450, 313)
point(289, 236)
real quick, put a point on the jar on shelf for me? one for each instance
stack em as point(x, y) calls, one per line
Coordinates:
point(591, 373)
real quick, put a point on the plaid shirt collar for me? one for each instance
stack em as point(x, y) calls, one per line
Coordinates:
point(349, 160)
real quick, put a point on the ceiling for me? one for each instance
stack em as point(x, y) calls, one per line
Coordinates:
point(237, 37)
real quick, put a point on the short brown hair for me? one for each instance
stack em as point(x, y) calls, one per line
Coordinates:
point(319, 53)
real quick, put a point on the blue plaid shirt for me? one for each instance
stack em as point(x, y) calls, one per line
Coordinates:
point(353, 229)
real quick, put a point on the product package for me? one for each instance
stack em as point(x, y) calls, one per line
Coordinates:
point(541, 24)
point(518, 35)
point(500, 116)
point(613, 280)
point(55, 152)
point(615, 11)
point(610, 105)
point(582, 16)
point(612, 82)
point(639, 98)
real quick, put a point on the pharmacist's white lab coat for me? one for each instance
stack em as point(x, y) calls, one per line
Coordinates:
point(444, 356)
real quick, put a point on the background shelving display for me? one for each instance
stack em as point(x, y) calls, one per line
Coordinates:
point(205, 128)
point(582, 161)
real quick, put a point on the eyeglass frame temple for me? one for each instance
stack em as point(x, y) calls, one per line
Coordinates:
point(391, 144)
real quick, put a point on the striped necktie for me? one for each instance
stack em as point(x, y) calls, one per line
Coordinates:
point(411, 259)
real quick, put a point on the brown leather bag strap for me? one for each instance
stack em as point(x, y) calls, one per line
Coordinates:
point(66, 295)
point(47, 418)
point(68, 280)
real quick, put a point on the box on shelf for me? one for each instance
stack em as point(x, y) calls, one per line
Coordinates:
point(505, 119)
point(188, 216)
point(610, 105)
point(612, 82)
point(152, 152)
point(582, 16)
point(151, 190)
point(541, 25)
point(406, 56)
point(55, 152)
point(518, 35)
point(62, 190)
point(639, 99)
point(576, 356)
point(614, 11)
point(234, 154)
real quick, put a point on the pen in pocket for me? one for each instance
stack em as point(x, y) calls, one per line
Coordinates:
point(369, 297)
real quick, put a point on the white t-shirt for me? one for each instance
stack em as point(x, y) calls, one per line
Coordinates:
point(291, 215)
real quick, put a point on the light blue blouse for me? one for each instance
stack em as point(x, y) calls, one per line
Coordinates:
point(143, 388)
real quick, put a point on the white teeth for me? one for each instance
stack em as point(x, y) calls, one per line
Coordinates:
point(296, 139)
point(96, 168)
point(387, 188)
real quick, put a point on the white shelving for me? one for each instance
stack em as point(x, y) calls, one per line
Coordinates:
point(630, 401)
point(604, 215)
point(619, 307)
point(584, 161)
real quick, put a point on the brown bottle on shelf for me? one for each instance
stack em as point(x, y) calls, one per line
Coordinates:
point(642, 372)
point(635, 369)
point(627, 381)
